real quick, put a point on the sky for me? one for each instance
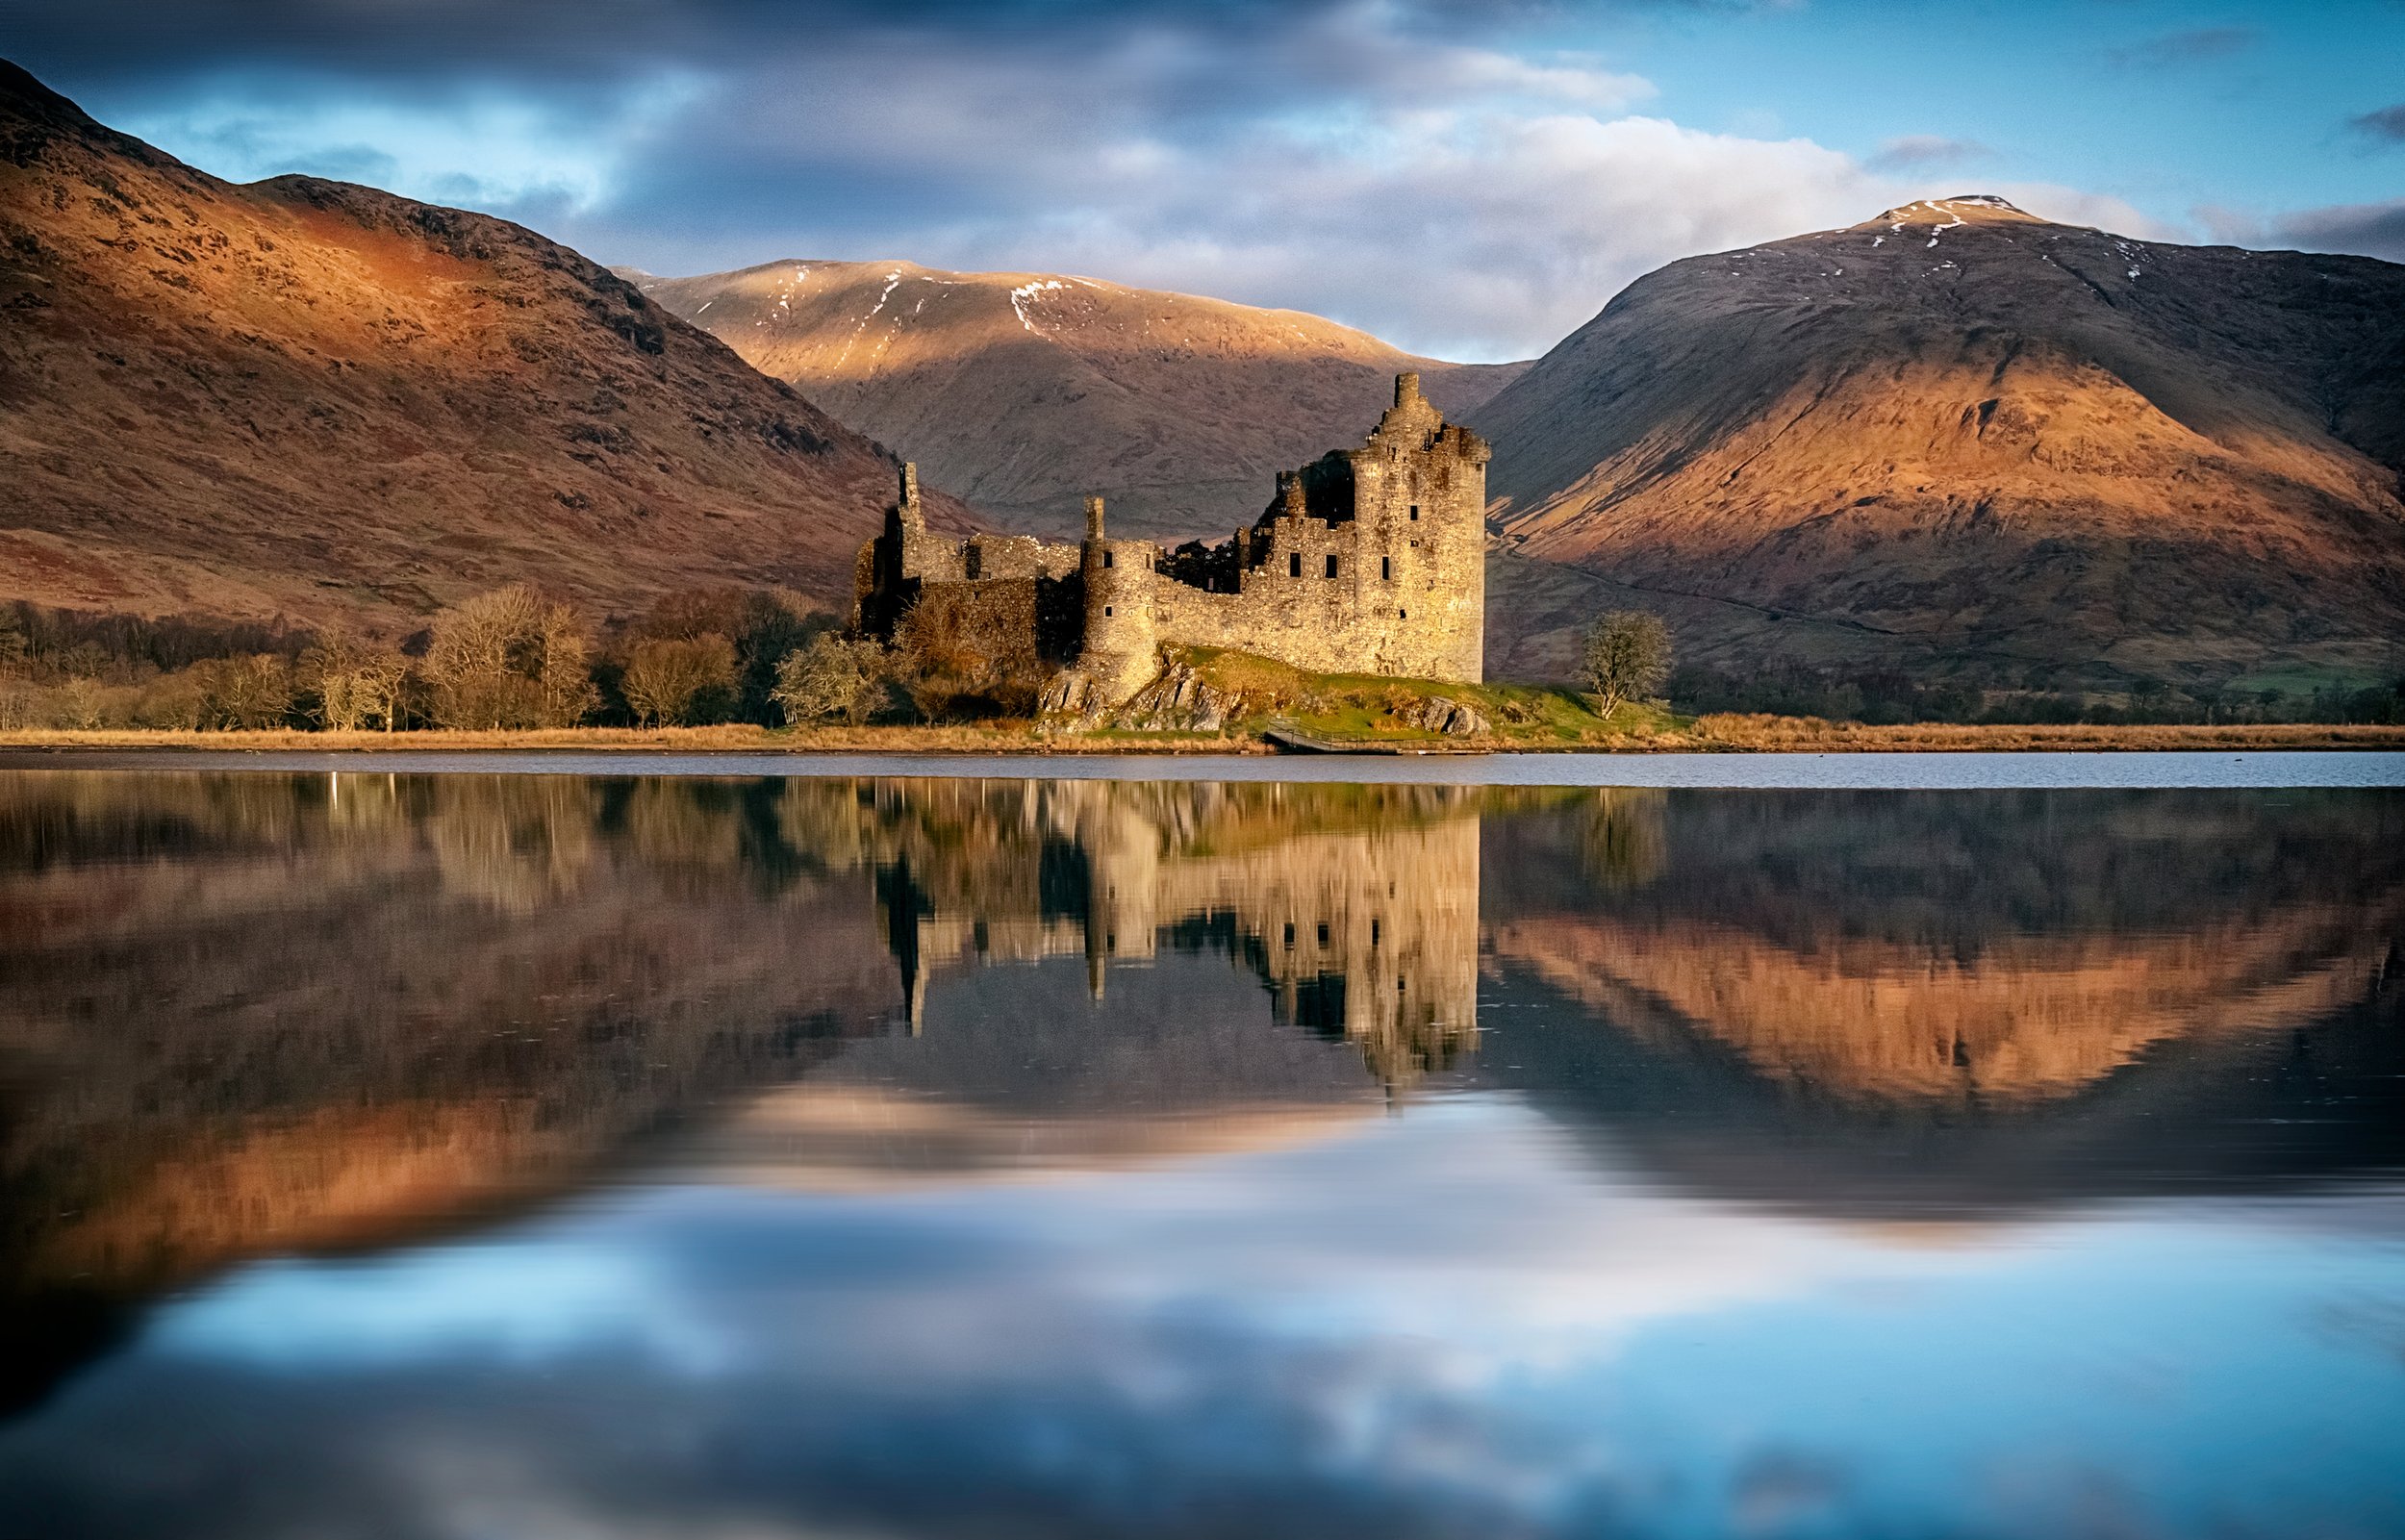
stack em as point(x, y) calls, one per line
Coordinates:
point(1470, 179)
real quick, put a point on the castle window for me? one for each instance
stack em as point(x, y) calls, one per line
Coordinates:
point(1403, 614)
point(1106, 558)
point(1415, 512)
point(1386, 569)
point(1331, 567)
point(1294, 564)
point(1323, 935)
point(1290, 934)
point(1106, 609)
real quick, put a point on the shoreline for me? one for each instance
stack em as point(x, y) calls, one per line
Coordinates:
point(1711, 736)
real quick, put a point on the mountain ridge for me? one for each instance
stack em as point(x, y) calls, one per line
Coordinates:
point(1026, 391)
point(2042, 453)
point(331, 403)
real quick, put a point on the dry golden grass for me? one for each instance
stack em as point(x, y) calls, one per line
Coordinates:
point(1000, 738)
point(1812, 735)
point(1715, 733)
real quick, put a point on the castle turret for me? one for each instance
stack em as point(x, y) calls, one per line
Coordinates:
point(1406, 386)
point(1121, 647)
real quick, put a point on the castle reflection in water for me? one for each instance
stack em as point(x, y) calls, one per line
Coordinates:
point(251, 1015)
point(1359, 913)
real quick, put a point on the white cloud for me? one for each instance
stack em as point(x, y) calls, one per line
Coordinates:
point(1355, 158)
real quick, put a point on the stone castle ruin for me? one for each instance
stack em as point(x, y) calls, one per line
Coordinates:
point(1368, 560)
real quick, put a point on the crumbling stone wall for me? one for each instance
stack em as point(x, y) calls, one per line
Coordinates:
point(1368, 560)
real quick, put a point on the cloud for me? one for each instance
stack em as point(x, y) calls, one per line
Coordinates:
point(1916, 151)
point(2176, 49)
point(1432, 170)
point(2386, 126)
point(2363, 229)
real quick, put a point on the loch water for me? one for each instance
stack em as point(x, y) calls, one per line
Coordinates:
point(387, 1152)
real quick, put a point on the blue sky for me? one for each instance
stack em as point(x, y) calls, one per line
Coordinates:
point(1471, 178)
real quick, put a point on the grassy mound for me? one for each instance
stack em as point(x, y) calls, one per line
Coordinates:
point(1357, 707)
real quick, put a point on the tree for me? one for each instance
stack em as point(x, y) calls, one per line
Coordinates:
point(510, 659)
point(665, 678)
point(1627, 655)
point(829, 677)
point(80, 702)
point(563, 676)
point(356, 682)
point(252, 692)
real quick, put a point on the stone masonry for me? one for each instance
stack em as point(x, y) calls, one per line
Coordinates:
point(1368, 560)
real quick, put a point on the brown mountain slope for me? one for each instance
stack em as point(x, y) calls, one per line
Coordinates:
point(1026, 391)
point(1966, 436)
point(316, 399)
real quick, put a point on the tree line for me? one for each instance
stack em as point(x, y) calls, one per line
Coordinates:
point(512, 657)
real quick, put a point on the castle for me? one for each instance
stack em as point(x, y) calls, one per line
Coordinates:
point(1368, 560)
point(1357, 910)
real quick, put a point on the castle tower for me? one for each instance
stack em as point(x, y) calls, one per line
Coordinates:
point(1419, 490)
point(1121, 644)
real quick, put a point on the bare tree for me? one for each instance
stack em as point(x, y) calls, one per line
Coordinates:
point(509, 659)
point(356, 682)
point(381, 687)
point(1626, 656)
point(79, 702)
point(664, 676)
point(830, 677)
point(247, 692)
point(565, 675)
point(19, 703)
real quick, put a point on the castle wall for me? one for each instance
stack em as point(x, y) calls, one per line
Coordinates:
point(995, 617)
point(1372, 561)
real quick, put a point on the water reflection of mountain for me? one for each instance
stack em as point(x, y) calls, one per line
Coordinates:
point(1850, 1002)
point(257, 1013)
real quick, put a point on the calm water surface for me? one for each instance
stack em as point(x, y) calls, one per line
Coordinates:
point(482, 1155)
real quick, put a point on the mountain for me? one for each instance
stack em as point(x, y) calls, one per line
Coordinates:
point(1024, 393)
point(1964, 441)
point(308, 399)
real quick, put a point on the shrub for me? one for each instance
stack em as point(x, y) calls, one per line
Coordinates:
point(830, 677)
